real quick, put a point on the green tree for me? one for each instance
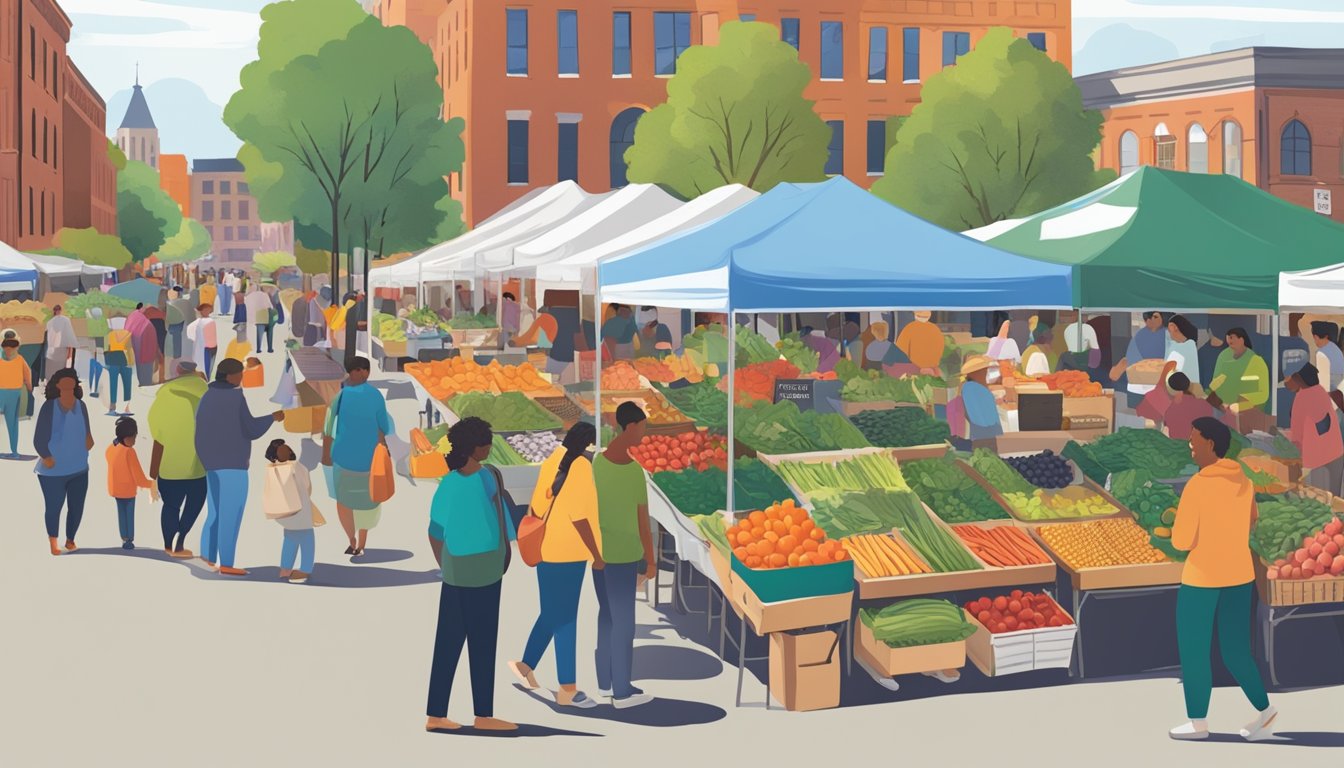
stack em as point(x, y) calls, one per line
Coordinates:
point(735, 114)
point(118, 157)
point(146, 215)
point(338, 115)
point(91, 247)
point(1002, 134)
point(273, 261)
point(311, 261)
point(191, 242)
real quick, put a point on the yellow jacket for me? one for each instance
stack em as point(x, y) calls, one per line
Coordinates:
point(577, 501)
point(1213, 524)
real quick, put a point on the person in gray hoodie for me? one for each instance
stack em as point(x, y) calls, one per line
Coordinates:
point(225, 430)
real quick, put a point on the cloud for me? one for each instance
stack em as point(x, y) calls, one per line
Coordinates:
point(1257, 11)
point(194, 27)
point(1120, 45)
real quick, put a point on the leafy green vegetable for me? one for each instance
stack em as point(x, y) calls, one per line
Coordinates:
point(801, 356)
point(872, 386)
point(465, 321)
point(917, 622)
point(1003, 477)
point(507, 412)
point(1151, 502)
point(1148, 449)
point(701, 493)
point(901, 427)
point(753, 348)
point(703, 402)
point(782, 428)
point(951, 493)
point(1284, 521)
point(871, 470)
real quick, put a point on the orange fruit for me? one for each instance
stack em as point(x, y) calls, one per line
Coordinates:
point(778, 561)
point(817, 534)
point(806, 559)
point(810, 545)
point(788, 543)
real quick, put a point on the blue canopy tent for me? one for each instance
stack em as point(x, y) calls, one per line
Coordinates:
point(17, 272)
point(830, 246)
point(139, 290)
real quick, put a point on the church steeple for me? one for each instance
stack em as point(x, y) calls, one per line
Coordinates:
point(137, 136)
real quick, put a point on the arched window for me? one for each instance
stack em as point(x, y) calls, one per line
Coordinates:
point(1295, 150)
point(1197, 152)
point(1165, 144)
point(1129, 152)
point(622, 138)
point(1232, 148)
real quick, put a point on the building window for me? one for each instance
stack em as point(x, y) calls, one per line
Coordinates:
point(208, 210)
point(517, 152)
point(42, 221)
point(55, 148)
point(226, 188)
point(746, 17)
point(32, 75)
point(877, 147)
point(1165, 146)
point(877, 54)
point(671, 36)
point(622, 138)
point(208, 187)
point(832, 50)
point(32, 131)
point(567, 158)
point(517, 41)
point(1197, 151)
point(620, 44)
point(567, 42)
point(226, 210)
point(1295, 148)
point(835, 162)
point(244, 210)
point(54, 71)
point(228, 233)
point(955, 45)
point(46, 140)
point(910, 55)
point(1129, 152)
point(1037, 40)
point(243, 189)
point(788, 31)
point(31, 228)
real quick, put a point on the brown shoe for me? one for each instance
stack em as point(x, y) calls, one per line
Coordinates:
point(182, 554)
point(231, 571)
point(440, 724)
point(70, 545)
point(494, 724)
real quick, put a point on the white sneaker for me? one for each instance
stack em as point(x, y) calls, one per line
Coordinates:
point(630, 702)
point(1195, 730)
point(604, 693)
point(1261, 727)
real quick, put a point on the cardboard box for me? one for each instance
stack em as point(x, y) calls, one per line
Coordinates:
point(805, 670)
point(785, 615)
point(28, 332)
point(1026, 650)
point(907, 661)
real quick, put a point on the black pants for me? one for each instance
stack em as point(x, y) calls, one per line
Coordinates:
point(182, 504)
point(68, 491)
point(267, 330)
point(466, 615)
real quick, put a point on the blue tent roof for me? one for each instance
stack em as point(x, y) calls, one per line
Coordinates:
point(831, 246)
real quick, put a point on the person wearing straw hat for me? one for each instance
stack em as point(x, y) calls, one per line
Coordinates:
point(982, 412)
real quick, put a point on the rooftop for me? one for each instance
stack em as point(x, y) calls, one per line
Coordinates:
point(137, 113)
point(217, 165)
point(1241, 69)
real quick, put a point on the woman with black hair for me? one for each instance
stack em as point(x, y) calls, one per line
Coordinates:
point(1182, 349)
point(469, 531)
point(566, 500)
point(62, 439)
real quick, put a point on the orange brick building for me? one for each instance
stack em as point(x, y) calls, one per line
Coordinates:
point(552, 90)
point(175, 179)
point(1272, 116)
point(89, 179)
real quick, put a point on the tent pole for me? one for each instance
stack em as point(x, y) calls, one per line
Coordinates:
point(1274, 367)
point(597, 356)
point(732, 398)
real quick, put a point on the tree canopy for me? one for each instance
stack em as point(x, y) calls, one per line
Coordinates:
point(91, 247)
point(273, 261)
point(146, 215)
point(735, 114)
point(190, 242)
point(999, 135)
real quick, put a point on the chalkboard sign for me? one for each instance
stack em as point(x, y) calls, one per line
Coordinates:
point(802, 392)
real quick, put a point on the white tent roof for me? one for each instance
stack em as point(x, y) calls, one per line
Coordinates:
point(616, 214)
point(1313, 288)
point(706, 208)
point(60, 266)
point(989, 232)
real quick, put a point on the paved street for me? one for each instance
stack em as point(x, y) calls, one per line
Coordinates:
point(127, 658)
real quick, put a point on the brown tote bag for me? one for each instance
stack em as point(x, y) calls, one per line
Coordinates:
point(532, 529)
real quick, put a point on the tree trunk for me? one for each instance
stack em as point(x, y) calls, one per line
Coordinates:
point(335, 249)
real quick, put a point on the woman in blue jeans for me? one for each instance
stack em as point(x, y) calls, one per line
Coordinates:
point(566, 500)
point(62, 439)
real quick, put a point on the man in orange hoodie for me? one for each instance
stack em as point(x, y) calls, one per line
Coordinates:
point(1213, 523)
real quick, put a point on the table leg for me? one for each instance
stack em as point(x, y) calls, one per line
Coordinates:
point(741, 656)
point(1078, 599)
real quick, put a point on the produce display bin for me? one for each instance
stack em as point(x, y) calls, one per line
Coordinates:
point(912, 660)
point(1088, 483)
point(772, 585)
point(1016, 575)
point(831, 457)
point(784, 615)
point(560, 406)
point(1103, 406)
point(1035, 442)
point(1115, 576)
point(1026, 650)
point(1284, 593)
point(475, 338)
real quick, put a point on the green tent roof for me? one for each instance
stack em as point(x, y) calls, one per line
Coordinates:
point(1165, 239)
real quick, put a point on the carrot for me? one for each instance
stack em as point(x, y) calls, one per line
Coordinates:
point(898, 568)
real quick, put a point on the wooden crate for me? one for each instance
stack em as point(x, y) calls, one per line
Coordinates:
point(1012, 576)
point(906, 661)
point(1282, 593)
point(1116, 576)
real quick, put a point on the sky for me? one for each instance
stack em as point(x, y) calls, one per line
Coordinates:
point(208, 41)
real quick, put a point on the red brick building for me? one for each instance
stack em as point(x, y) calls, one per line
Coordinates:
point(552, 90)
point(1272, 116)
point(89, 180)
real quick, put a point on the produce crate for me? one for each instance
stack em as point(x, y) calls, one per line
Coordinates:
point(1282, 593)
point(826, 457)
point(1026, 650)
point(773, 585)
point(394, 348)
point(1035, 442)
point(1103, 406)
point(849, 408)
point(1115, 576)
point(560, 406)
point(906, 661)
point(475, 337)
point(1012, 576)
point(784, 615)
point(1086, 482)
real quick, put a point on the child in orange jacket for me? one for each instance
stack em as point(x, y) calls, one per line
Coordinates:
point(125, 478)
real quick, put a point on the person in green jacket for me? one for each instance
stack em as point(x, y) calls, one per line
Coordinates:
point(174, 464)
point(1240, 376)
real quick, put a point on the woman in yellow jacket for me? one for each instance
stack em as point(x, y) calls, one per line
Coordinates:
point(1213, 523)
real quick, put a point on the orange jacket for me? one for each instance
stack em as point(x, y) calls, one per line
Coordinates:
point(124, 475)
point(1213, 523)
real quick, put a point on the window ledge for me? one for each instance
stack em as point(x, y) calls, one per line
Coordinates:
point(625, 76)
point(832, 79)
point(882, 82)
point(876, 174)
point(665, 77)
point(519, 184)
point(911, 82)
point(569, 75)
point(515, 74)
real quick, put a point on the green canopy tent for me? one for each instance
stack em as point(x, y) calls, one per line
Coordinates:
point(1157, 238)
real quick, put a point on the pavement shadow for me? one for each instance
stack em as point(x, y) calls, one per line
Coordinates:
point(1327, 739)
point(396, 390)
point(19, 458)
point(329, 575)
point(666, 662)
point(525, 731)
point(659, 713)
point(379, 556)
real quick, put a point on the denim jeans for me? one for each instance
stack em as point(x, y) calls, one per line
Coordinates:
point(560, 585)
point(95, 374)
point(115, 372)
point(467, 616)
point(226, 496)
point(126, 518)
point(182, 503)
point(225, 300)
point(300, 543)
point(210, 353)
point(267, 330)
point(175, 333)
point(615, 587)
point(67, 490)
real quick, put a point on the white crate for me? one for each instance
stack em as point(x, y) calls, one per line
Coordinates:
point(1023, 651)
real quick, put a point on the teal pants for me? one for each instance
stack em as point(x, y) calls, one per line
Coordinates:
point(1198, 611)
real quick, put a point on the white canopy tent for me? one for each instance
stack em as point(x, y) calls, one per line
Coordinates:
point(1313, 288)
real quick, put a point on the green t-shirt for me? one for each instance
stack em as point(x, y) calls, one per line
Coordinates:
point(172, 423)
point(621, 489)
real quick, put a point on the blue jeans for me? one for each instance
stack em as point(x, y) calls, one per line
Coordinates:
point(182, 502)
point(10, 399)
point(95, 374)
point(615, 587)
point(226, 496)
point(560, 585)
point(126, 518)
point(67, 490)
point(267, 330)
point(301, 543)
point(210, 353)
point(225, 300)
point(115, 372)
point(467, 616)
